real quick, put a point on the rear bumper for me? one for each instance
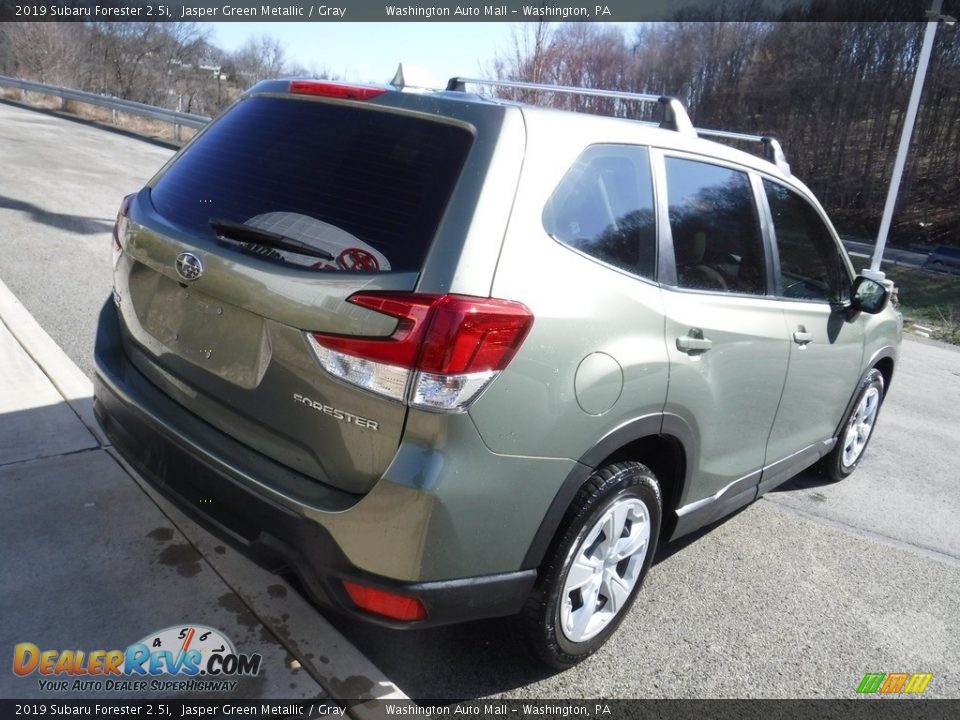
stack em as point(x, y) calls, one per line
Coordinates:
point(156, 436)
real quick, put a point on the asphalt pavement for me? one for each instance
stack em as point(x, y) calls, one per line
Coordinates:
point(61, 183)
point(797, 595)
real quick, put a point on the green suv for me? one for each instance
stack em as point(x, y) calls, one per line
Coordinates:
point(448, 357)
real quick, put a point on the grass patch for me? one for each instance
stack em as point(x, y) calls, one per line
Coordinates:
point(930, 299)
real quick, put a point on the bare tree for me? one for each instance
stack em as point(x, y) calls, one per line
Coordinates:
point(45, 52)
point(527, 58)
point(260, 58)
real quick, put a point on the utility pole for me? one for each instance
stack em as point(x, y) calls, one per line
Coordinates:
point(934, 18)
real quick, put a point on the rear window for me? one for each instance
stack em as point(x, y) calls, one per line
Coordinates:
point(366, 188)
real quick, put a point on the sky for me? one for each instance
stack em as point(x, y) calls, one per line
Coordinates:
point(431, 52)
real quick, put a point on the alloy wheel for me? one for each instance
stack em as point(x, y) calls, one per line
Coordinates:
point(860, 426)
point(605, 569)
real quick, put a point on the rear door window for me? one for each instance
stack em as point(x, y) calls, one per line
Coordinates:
point(716, 231)
point(365, 187)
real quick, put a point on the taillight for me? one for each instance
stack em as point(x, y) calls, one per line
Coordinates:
point(444, 351)
point(381, 602)
point(334, 90)
point(120, 227)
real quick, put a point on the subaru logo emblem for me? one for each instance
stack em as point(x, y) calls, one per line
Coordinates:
point(189, 266)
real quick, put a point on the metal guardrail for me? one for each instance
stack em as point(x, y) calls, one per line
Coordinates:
point(177, 119)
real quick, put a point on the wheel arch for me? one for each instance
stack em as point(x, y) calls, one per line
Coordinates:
point(662, 442)
point(885, 365)
point(884, 360)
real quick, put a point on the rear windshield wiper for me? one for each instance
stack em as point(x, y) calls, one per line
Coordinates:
point(241, 232)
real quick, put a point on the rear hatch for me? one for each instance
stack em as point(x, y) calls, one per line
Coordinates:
point(255, 236)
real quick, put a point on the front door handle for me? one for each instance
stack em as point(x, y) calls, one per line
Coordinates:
point(695, 342)
point(802, 337)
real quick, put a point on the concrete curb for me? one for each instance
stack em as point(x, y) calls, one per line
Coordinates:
point(70, 382)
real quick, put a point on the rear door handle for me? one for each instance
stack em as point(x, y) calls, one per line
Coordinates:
point(802, 337)
point(694, 342)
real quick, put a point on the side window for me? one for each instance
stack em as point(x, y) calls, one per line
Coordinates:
point(604, 207)
point(811, 267)
point(716, 232)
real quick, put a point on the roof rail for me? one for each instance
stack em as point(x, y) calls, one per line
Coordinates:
point(674, 114)
point(771, 147)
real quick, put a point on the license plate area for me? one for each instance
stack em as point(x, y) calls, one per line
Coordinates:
point(221, 338)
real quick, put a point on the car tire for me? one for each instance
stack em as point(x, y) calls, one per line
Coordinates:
point(856, 430)
point(587, 583)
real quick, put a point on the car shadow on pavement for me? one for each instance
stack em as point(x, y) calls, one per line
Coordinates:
point(807, 480)
point(457, 662)
point(666, 550)
point(61, 221)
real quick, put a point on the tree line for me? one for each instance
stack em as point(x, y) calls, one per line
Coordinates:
point(173, 65)
point(834, 93)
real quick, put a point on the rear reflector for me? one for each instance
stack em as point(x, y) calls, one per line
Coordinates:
point(334, 90)
point(381, 602)
point(444, 351)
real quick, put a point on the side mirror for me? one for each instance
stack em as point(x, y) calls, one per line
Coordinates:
point(868, 296)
